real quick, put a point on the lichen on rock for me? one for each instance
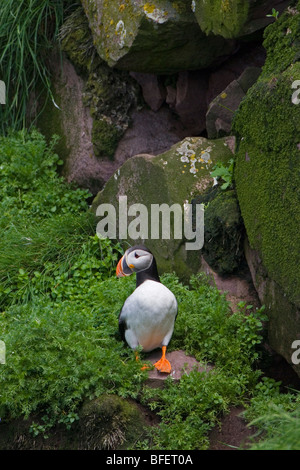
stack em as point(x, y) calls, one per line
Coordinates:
point(159, 36)
point(172, 177)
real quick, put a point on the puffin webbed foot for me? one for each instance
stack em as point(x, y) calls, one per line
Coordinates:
point(163, 365)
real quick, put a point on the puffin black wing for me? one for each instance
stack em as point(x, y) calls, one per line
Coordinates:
point(122, 326)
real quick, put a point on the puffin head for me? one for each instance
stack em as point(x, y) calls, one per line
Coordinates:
point(136, 259)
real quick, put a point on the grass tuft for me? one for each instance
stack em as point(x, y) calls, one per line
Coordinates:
point(28, 30)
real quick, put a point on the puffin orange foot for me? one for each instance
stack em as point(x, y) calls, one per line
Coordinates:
point(145, 366)
point(163, 365)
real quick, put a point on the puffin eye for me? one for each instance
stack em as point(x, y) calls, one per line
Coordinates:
point(136, 255)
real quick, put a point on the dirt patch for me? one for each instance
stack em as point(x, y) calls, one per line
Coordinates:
point(233, 432)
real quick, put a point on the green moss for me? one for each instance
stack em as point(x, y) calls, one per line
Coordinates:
point(49, 123)
point(223, 236)
point(282, 42)
point(167, 179)
point(159, 36)
point(222, 17)
point(110, 422)
point(77, 41)
point(105, 138)
point(268, 163)
point(181, 6)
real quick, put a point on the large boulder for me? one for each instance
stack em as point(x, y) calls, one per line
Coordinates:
point(173, 177)
point(232, 18)
point(155, 37)
point(267, 126)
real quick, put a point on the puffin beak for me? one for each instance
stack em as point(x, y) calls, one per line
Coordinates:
point(119, 270)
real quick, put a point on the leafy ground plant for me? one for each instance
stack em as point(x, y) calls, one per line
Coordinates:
point(225, 174)
point(60, 301)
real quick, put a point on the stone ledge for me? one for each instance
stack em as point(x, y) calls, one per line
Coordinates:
point(181, 364)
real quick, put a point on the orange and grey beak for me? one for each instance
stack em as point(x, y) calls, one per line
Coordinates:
point(119, 270)
point(123, 269)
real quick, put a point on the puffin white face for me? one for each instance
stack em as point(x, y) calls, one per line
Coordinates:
point(134, 260)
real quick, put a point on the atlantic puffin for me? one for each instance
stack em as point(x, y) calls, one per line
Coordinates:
point(148, 315)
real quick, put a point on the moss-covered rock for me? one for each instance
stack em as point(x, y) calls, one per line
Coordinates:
point(234, 18)
point(267, 175)
point(77, 41)
point(173, 177)
point(161, 36)
point(105, 137)
point(223, 247)
point(110, 423)
point(226, 18)
point(110, 95)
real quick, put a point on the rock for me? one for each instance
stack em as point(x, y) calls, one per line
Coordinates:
point(284, 315)
point(220, 77)
point(152, 37)
point(73, 122)
point(169, 178)
point(237, 287)
point(267, 179)
point(154, 92)
point(149, 132)
point(232, 19)
point(186, 98)
point(181, 364)
point(111, 97)
point(221, 110)
point(189, 103)
point(224, 233)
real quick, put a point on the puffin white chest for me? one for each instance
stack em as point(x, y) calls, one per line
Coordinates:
point(149, 314)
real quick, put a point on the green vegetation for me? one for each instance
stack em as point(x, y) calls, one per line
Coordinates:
point(267, 164)
point(60, 302)
point(222, 17)
point(28, 30)
point(276, 417)
point(105, 138)
point(225, 173)
point(274, 14)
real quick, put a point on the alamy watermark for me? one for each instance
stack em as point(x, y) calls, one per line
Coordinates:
point(2, 352)
point(2, 92)
point(296, 94)
point(165, 221)
point(295, 358)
